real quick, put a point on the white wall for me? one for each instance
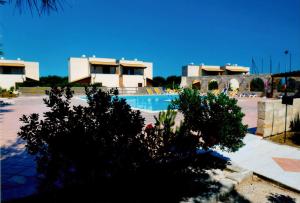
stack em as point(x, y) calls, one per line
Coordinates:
point(192, 71)
point(9, 80)
point(148, 72)
point(183, 82)
point(107, 80)
point(79, 68)
point(32, 70)
point(133, 80)
point(102, 59)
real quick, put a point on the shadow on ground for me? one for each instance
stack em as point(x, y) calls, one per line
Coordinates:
point(18, 172)
point(252, 130)
point(141, 188)
point(278, 198)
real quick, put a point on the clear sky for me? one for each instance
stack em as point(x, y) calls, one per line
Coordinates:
point(169, 33)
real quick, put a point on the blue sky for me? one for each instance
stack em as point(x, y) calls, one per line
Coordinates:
point(170, 33)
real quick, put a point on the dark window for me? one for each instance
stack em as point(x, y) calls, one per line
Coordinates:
point(7, 70)
point(131, 71)
point(140, 84)
point(106, 69)
point(125, 71)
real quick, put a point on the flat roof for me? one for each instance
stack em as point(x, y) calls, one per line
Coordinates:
point(133, 65)
point(12, 64)
point(105, 63)
point(212, 69)
point(237, 69)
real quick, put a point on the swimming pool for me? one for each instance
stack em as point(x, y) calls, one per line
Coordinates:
point(149, 102)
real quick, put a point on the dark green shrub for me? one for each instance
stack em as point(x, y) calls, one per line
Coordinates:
point(159, 81)
point(217, 120)
point(213, 85)
point(295, 124)
point(101, 150)
point(8, 93)
point(257, 85)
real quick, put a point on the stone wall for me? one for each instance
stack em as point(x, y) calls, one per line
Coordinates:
point(271, 116)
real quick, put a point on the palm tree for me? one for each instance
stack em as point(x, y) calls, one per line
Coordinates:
point(40, 6)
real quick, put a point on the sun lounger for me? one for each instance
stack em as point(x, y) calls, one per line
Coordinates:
point(216, 92)
point(157, 90)
point(233, 93)
point(149, 90)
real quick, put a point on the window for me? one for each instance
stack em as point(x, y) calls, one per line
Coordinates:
point(140, 84)
point(7, 70)
point(106, 70)
point(125, 71)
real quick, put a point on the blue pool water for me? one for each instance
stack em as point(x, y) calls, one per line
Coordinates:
point(150, 102)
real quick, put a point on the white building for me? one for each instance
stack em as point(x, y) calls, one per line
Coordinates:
point(110, 72)
point(209, 70)
point(17, 71)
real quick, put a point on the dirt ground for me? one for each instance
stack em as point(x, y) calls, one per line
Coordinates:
point(292, 139)
point(258, 190)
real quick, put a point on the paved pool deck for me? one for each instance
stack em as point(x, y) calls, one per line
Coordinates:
point(277, 162)
point(18, 175)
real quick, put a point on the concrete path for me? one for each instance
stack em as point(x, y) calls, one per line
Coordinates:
point(280, 163)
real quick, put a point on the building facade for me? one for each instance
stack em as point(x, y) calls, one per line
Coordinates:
point(200, 76)
point(17, 71)
point(110, 72)
point(207, 70)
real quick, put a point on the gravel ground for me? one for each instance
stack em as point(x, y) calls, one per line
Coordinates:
point(259, 190)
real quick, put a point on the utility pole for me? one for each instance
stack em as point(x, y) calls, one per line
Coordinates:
point(290, 62)
point(285, 94)
point(270, 64)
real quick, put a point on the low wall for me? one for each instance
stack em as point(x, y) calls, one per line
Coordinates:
point(79, 90)
point(41, 90)
point(271, 116)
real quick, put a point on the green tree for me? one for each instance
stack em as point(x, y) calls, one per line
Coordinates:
point(213, 85)
point(40, 6)
point(217, 120)
point(103, 150)
point(173, 82)
point(159, 81)
point(257, 84)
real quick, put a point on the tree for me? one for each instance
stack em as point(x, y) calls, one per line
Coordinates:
point(159, 81)
point(40, 6)
point(104, 149)
point(213, 85)
point(46, 81)
point(216, 120)
point(257, 84)
point(173, 82)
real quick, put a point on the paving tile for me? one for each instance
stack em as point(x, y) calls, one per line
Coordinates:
point(288, 165)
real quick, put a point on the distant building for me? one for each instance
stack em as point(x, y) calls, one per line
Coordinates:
point(208, 70)
point(235, 70)
point(110, 72)
point(17, 71)
point(227, 76)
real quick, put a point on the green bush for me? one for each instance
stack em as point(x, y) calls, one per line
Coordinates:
point(104, 148)
point(213, 85)
point(257, 85)
point(217, 120)
point(295, 124)
point(7, 93)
